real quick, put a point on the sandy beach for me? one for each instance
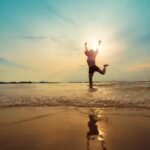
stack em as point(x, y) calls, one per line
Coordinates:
point(72, 128)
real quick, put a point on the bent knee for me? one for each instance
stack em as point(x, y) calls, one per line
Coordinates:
point(101, 72)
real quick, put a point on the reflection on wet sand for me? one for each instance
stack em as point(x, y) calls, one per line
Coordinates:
point(69, 128)
point(95, 131)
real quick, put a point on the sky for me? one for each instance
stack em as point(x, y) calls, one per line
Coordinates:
point(43, 40)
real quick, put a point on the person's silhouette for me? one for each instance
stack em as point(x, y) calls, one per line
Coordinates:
point(91, 55)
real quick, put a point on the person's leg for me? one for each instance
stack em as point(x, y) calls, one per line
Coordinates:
point(90, 80)
point(103, 71)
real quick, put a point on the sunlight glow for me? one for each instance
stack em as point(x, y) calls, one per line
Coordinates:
point(93, 44)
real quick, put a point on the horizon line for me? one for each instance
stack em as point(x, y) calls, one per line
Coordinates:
point(32, 82)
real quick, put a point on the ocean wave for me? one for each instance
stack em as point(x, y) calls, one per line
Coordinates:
point(77, 102)
point(115, 95)
point(125, 86)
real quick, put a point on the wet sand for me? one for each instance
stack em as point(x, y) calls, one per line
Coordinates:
point(70, 128)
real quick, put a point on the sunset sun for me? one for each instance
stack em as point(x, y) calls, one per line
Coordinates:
point(93, 44)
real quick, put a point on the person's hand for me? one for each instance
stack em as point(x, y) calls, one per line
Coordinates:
point(99, 42)
point(85, 43)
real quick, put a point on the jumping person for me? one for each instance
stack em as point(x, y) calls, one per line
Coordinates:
point(91, 55)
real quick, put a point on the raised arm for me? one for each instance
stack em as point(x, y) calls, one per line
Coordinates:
point(99, 42)
point(86, 49)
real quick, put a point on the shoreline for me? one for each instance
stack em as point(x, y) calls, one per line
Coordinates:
point(43, 128)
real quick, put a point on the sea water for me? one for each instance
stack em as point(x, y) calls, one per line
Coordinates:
point(104, 94)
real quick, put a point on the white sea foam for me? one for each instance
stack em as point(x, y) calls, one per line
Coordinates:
point(108, 94)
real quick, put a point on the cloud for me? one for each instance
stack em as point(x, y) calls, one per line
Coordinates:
point(57, 39)
point(54, 12)
point(144, 38)
point(30, 37)
point(27, 37)
point(138, 67)
point(10, 63)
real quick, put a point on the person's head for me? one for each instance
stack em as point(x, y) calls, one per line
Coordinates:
point(91, 52)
